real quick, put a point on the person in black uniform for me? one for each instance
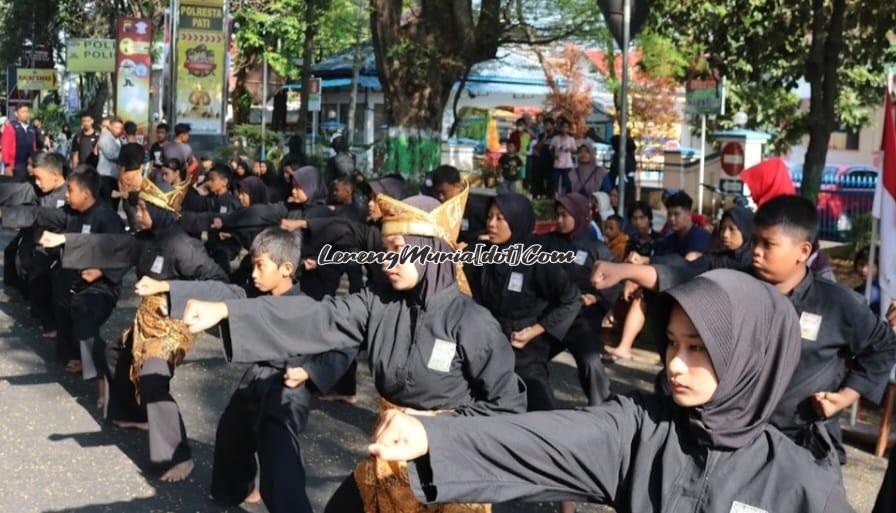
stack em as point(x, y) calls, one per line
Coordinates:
point(25, 266)
point(151, 349)
point(535, 304)
point(217, 203)
point(446, 184)
point(835, 324)
point(582, 340)
point(83, 299)
point(707, 447)
point(345, 235)
point(271, 404)
point(431, 349)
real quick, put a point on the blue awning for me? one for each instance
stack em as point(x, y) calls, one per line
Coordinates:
point(367, 81)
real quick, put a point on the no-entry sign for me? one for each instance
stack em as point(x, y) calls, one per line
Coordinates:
point(733, 158)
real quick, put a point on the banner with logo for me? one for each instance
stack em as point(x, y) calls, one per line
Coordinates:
point(30, 79)
point(133, 71)
point(201, 66)
point(90, 55)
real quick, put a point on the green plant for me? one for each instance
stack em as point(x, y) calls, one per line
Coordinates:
point(51, 115)
point(860, 232)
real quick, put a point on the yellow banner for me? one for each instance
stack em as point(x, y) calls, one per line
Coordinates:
point(90, 55)
point(30, 79)
point(201, 63)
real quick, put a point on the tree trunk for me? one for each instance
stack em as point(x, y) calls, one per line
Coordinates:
point(821, 73)
point(356, 72)
point(307, 57)
point(241, 99)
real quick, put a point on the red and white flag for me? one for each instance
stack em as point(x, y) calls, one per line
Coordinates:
point(885, 208)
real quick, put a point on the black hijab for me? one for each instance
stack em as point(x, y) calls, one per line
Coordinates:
point(434, 278)
point(754, 352)
point(255, 188)
point(394, 187)
point(578, 207)
point(309, 179)
point(519, 214)
point(742, 257)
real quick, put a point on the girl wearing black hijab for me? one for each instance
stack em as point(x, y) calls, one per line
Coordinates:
point(573, 218)
point(152, 348)
point(534, 304)
point(705, 448)
point(431, 349)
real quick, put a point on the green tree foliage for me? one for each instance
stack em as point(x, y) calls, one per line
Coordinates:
point(766, 47)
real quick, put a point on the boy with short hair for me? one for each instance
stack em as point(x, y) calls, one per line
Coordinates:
point(562, 147)
point(686, 237)
point(271, 405)
point(616, 238)
point(836, 325)
point(511, 166)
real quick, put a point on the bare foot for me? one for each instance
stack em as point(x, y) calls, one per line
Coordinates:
point(178, 472)
point(567, 507)
point(123, 424)
point(350, 399)
point(254, 497)
point(49, 334)
point(100, 393)
point(621, 354)
point(73, 367)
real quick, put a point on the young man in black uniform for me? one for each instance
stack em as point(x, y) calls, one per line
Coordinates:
point(835, 324)
point(27, 267)
point(271, 405)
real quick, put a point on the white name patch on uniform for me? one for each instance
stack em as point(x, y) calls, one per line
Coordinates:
point(516, 282)
point(810, 325)
point(223, 209)
point(442, 355)
point(60, 203)
point(464, 224)
point(740, 507)
point(157, 264)
point(85, 228)
point(581, 257)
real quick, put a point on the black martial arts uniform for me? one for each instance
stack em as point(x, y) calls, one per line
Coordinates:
point(222, 250)
point(25, 265)
point(431, 348)
point(264, 416)
point(81, 308)
point(164, 253)
point(837, 328)
point(523, 295)
point(643, 453)
point(582, 340)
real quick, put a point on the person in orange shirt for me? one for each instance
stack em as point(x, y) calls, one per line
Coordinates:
point(615, 236)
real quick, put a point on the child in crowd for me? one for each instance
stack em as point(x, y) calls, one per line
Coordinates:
point(562, 147)
point(511, 165)
point(686, 237)
point(861, 268)
point(616, 238)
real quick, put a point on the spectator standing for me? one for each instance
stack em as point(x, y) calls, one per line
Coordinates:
point(19, 143)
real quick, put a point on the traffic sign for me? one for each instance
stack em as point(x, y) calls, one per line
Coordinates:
point(733, 158)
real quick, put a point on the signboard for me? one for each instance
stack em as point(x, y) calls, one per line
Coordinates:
point(314, 96)
point(731, 186)
point(133, 72)
point(704, 96)
point(200, 65)
point(31, 79)
point(90, 55)
point(733, 158)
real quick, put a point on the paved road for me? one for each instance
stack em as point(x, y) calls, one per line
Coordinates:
point(58, 457)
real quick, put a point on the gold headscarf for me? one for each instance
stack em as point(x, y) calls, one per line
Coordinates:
point(443, 222)
point(170, 201)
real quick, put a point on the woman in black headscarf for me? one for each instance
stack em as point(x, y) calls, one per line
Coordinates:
point(150, 351)
point(572, 213)
point(430, 348)
point(535, 304)
point(706, 448)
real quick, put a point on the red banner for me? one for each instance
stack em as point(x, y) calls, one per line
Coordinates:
point(133, 72)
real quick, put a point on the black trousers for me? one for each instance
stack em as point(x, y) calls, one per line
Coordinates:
point(107, 185)
point(532, 366)
point(167, 434)
point(40, 289)
point(238, 439)
point(584, 345)
point(886, 498)
point(11, 276)
point(122, 405)
point(80, 317)
point(346, 498)
point(348, 383)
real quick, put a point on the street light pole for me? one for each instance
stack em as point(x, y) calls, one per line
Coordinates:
point(623, 116)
